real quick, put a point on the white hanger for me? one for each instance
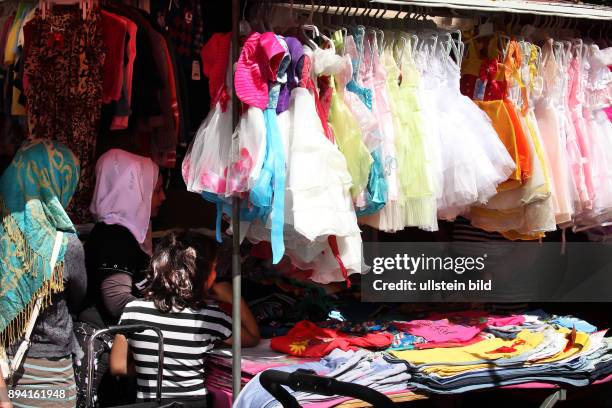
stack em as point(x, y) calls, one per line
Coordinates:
point(404, 41)
point(304, 28)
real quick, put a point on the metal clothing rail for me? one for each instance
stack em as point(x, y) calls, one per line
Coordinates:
point(532, 7)
point(236, 264)
point(537, 7)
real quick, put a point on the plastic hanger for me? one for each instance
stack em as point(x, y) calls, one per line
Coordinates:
point(456, 47)
point(310, 28)
point(429, 43)
point(414, 39)
point(341, 19)
point(369, 18)
point(577, 44)
point(404, 44)
point(567, 51)
point(446, 47)
point(371, 38)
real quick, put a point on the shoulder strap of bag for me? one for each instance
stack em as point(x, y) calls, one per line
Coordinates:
point(25, 343)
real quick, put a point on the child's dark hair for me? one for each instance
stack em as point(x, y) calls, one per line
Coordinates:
point(178, 271)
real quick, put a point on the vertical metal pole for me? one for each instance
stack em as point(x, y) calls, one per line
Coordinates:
point(236, 272)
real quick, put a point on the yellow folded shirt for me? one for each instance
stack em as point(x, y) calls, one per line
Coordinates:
point(484, 350)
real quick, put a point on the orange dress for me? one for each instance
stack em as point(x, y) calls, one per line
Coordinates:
point(522, 209)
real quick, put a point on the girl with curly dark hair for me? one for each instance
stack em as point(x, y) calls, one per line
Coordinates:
point(180, 299)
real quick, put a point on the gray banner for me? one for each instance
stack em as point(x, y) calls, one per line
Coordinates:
point(487, 272)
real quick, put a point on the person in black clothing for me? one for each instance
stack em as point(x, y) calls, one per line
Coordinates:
point(128, 193)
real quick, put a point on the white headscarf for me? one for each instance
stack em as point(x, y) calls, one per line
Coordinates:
point(125, 183)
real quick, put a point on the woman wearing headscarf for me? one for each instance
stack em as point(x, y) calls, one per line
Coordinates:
point(34, 191)
point(128, 192)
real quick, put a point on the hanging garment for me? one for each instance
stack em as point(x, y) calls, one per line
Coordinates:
point(114, 30)
point(65, 76)
point(374, 198)
point(575, 160)
point(7, 17)
point(390, 217)
point(347, 133)
point(482, 131)
point(205, 166)
point(483, 79)
point(552, 140)
point(574, 105)
point(414, 173)
point(268, 192)
point(301, 251)
point(10, 50)
point(322, 204)
point(331, 258)
point(148, 82)
point(18, 99)
point(525, 212)
point(122, 108)
point(163, 127)
point(593, 94)
point(468, 171)
point(353, 47)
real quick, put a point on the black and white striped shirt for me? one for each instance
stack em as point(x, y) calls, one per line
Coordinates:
point(188, 336)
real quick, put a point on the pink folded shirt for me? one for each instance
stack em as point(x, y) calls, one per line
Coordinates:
point(438, 331)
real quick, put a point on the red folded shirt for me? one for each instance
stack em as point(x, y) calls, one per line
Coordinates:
point(306, 339)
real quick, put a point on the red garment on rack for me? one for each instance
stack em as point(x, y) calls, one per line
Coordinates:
point(306, 339)
point(114, 30)
point(215, 54)
point(489, 71)
point(307, 82)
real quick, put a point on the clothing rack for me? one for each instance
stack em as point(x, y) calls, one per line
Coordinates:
point(545, 8)
point(564, 9)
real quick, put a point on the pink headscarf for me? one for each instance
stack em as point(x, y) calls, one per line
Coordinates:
point(124, 189)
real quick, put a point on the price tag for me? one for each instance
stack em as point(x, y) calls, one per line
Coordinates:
point(195, 70)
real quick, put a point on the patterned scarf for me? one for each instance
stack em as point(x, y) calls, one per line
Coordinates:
point(34, 190)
